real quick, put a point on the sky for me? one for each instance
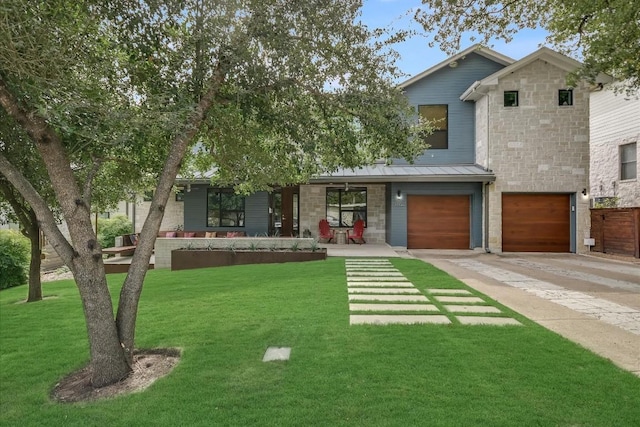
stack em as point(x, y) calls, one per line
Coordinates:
point(416, 55)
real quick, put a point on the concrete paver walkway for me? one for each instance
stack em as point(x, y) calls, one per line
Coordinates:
point(611, 341)
point(384, 305)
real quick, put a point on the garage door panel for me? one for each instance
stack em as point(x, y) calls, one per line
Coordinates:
point(438, 222)
point(536, 222)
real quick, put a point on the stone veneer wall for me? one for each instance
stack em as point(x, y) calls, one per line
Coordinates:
point(482, 131)
point(313, 208)
point(538, 146)
point(173, 214)
point(614, 121)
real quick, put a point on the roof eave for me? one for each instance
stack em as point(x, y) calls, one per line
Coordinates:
point(476, 48)
point(404, 178)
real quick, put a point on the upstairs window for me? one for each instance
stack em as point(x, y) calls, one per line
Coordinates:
point(628, 161)
point(438, 115)
point(510, 98)
point(565, 97)
point(224, 209)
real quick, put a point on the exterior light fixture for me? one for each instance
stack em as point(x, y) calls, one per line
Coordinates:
point(188, 188)
point(584, 192)
point(399, 194)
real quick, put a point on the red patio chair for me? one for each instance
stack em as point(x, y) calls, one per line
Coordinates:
point(326, 233)
point(356, 235)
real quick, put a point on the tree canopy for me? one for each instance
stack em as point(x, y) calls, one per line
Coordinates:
point(265, 91)
point(603, 34)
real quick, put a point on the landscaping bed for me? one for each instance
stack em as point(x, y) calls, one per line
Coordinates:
point(185, 259)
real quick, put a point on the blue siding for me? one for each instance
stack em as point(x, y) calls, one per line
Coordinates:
point(445, 87)
point(195, 208)
point(256, 212)
point(397, 218)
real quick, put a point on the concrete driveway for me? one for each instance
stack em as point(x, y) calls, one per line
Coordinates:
point(590, 300)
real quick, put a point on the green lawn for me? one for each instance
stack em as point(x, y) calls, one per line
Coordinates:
point(225, 318)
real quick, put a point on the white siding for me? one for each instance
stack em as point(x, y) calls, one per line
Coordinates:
point(614, 121)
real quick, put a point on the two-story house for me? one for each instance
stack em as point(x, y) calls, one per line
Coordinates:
point(507, 169)
point(437, 201)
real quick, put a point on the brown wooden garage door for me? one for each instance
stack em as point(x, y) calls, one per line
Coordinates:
point(536, 223)
point(438, 222)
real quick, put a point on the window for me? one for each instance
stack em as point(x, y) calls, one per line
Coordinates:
point(180, 195)
point(438, 115)
point(510, 98)
point(565, 97)
point(344, 207)
point(224, 209)
point(628, 161)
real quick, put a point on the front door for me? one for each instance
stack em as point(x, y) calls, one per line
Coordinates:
point(284, 205)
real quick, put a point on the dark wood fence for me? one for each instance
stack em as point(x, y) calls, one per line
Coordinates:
point(616, 231)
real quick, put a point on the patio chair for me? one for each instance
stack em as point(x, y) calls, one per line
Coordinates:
point(326, 233)
point(356, 235)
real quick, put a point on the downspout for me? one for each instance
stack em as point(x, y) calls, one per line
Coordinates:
point(486, 187)
point(486, 217)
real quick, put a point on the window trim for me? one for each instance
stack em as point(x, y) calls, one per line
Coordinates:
point(341, 191)
point(504, 98)
point(437, 131)
point(570, 92)
point(633, 161)
point(220, 210)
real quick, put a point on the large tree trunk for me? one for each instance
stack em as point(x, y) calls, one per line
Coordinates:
point(84, 255)
point(111, 342)
point(35, 285)
point(108, 361)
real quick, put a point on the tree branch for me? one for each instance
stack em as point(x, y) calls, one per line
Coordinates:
point(58, 167)
point(132, 287)
point(88, 184)
point(18, 208)
point(46, 220)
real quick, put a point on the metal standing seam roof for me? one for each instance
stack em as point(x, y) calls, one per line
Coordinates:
point(409, 173)
point(388, 173)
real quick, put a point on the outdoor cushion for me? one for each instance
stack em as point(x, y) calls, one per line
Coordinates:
point(134, 239)
point(210, 234)
point(171, 234)
point(190, 234)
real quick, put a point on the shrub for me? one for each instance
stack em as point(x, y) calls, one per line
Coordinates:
point(109, 229)
point(14, 259)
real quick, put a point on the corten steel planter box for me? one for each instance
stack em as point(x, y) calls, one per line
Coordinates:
point(184, 259)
